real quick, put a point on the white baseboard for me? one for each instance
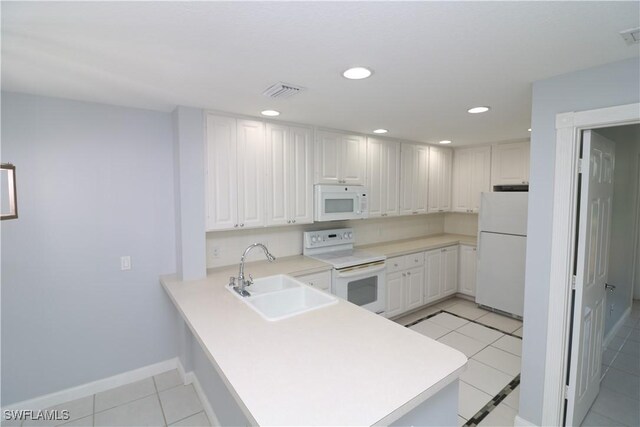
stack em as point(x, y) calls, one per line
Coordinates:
point(190, 378)
point(521, 422)
point(616, 328)
point(88, 389)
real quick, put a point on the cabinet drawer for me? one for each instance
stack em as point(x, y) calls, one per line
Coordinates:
point(318, 280)
point(395, 264)
point(414, 260)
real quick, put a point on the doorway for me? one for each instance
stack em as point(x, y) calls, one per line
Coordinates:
point(565, 253)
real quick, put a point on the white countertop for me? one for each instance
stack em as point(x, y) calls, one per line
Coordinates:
point(339, 365)
point(409, 246)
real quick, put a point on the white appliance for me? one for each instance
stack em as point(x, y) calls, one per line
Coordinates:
point(502, 241)
point(340, 202)
point(357, 276)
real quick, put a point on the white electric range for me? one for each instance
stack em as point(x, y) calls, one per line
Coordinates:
point(357, 276)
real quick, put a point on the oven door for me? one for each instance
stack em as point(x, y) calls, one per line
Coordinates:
point(362, 285)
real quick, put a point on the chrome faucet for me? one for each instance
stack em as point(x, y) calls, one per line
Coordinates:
point(242, 282)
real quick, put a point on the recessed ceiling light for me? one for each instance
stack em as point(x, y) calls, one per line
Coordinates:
point(270, 113)
point(380, 131)
point(476, 110)
point(529, 129)
point(446, 141)
point(357, 73)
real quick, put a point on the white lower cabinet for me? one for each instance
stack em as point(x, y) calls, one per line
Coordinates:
point(441, 273)
point(318, 280)
point(405, 284)
point(467, 270)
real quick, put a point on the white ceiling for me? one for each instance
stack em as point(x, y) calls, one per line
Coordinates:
point(431, 60)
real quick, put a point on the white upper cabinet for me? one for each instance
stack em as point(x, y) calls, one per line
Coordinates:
point(383, 177)
point(414, 178)
point(471, 176)
point(289, 189)
point(235, 151)
point(439, 194)
point(340, 158)
point(510, 163)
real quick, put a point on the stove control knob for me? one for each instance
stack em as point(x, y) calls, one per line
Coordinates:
point(313, 239)
point(350, 235)
point(345, 235)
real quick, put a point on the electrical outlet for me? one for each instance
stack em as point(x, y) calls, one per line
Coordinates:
point(215, 252)
point(611, 309)
point(125, 263)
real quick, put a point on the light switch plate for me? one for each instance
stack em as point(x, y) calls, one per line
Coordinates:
point(125, 263)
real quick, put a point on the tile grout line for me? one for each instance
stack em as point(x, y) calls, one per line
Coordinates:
point(192, 415)
point(164, 417)
point(93, 412)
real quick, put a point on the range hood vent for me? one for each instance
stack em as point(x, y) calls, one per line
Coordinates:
point(282, 90)
point(631, 36)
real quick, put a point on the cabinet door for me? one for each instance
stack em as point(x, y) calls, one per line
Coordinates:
point(408, 168)
point(278, 174)
point(251, 176)
point(467, 271)
point(327, 157)
point(375, 174)
point(221, 173)
point(480, 176)
point(395, 295)
point(421, 188)
point(440, 163)
point(510, 164)
point(450, 270)
point(382, 177)
point(461, 180)
point(301, 176)
point(414, 287)
point(433, 276)
point(352, 161)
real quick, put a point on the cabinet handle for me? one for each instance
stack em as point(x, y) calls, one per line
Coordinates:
point(311, 283)
point(408, 273)
point(404, 274)
point(395, 265)
point(235, 226)
point(289, 222)
point(294, 221)
point(241, 225)
point(414, 212)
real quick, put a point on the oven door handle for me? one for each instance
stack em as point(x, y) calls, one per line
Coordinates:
point(360, 272)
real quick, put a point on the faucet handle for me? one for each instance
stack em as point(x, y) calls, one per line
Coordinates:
point(232, 281)
point(250, 281)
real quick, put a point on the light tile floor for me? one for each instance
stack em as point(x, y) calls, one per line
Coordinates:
point(618, 403)
point(161, 400)
point(494, 355)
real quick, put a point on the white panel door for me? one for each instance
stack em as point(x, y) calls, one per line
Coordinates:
point(596, 195)
point(221, 173)
point(461, 181)
point(352, 162)
point(450, 270)
point(251, 175)
point(278, 174)
point(433, 275)
point(327, 157)
point(440, 162)
point(414, 286)
point(467, 271)
point(408, 169)
point(480, 176)
point(301, 176)
point(375, 174)
point(395, 295)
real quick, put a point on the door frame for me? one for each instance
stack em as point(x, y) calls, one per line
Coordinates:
point(636, 244)
point(569, 127)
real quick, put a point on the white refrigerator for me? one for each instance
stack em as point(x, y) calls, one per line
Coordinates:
point(502, 242)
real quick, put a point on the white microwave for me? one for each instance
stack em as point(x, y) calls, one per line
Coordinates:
point(340, 202)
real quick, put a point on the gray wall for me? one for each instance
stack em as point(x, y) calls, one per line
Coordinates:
point(95, 182)
point(621, 252)
point(604, 86)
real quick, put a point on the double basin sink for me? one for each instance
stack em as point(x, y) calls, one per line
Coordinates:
point(280, 297)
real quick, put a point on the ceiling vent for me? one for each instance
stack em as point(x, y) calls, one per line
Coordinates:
point(282, 90)
point(631, 36)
